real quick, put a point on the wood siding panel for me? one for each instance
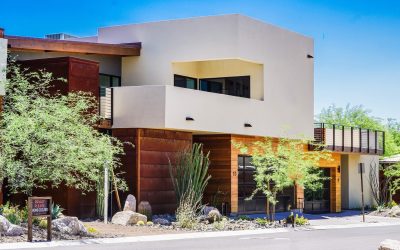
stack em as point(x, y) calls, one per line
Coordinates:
point(157, 148)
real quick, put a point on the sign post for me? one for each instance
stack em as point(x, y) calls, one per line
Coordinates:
point(39, 207)
point(362, 170)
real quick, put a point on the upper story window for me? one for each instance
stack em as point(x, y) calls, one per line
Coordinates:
point(185, 82)
point(236, 86)
point(107, 81)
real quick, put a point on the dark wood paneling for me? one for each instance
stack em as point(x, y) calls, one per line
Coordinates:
point(219, 147)
point(81, 75)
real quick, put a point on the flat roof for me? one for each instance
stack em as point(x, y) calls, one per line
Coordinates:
point(19, 43)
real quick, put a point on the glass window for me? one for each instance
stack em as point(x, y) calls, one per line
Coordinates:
point(185, 82)
point(107, 81)
point(235, 86)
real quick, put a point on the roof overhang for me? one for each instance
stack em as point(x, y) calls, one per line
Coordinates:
point(18, 43)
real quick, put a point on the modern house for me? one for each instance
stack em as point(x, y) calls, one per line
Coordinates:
point(214, 80)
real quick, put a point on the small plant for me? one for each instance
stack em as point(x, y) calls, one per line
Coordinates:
point(92, 230)
point(56, 211)
point(186, 214)
point(391, 204)
point(220, 225)
point(301, 221)
point(262, 222)
point(140, 223)
point(11, 213)
point(149, 223)
point(243, 217)
point(43, 224)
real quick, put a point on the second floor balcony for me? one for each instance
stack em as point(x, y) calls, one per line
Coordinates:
point(341, 138)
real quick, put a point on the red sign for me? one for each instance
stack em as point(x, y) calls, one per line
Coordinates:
point(40, 207)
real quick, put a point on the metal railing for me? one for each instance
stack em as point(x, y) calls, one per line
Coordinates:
point(106, 103)
point(349, 139)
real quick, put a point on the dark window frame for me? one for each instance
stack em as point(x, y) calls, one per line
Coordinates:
point(196, 81)
point(224, 90)
point(110, 84)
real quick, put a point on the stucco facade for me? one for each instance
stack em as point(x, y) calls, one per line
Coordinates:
point(276, 59)
point(351, 180)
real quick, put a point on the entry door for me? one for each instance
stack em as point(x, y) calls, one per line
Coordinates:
point(318, 201)
point(246, 186)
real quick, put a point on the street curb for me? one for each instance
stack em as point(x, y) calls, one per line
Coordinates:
point(182, 236)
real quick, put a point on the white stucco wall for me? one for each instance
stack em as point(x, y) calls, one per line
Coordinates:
point(352, 188)
point(287, 72)
point(3, 63)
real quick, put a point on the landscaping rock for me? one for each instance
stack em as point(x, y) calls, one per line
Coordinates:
point(14, 230)
point(214, 215)
point(389, 245)
point(395, 211)
point(162, 222)
point(130, 203)
point(145, 209)
point(126, 218)
point(208, 209)
point(4, 224)
point(69, 225)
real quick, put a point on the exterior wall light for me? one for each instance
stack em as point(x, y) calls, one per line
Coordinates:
point(247, 125)
point(309, 56)
point(189, 118)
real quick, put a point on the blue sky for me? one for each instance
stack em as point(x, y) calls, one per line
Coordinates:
point(357, 43)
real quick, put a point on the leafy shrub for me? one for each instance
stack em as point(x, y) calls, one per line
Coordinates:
point(43, 224)
point(11, 213)
point(56, 211)
point(149, 223)
point(262, 222)
point(140, 223)
point(301, 221)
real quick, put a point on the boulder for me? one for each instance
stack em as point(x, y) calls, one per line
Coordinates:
point(395, 211)
point(14, 230)
point(130, 203)
point(214, 215)
point(126, 218)
point(4, 224)
point(145, 208)
point(161, 221)
point(69, 225)
point(208, 209)
point(389, 245)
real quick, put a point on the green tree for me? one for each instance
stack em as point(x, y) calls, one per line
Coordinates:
point(287, 164)
point(358, 116)
point(50, 139)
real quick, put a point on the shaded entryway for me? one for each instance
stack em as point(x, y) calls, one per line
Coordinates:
point(247, 185)
point(318, 201)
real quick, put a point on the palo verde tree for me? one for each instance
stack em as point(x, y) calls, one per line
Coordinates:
point(282, 164)
point(50, 139)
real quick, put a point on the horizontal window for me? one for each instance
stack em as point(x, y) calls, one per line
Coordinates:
point(185, 82)
point(235, 86)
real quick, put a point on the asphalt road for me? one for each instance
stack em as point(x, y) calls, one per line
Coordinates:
point(330, 239)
